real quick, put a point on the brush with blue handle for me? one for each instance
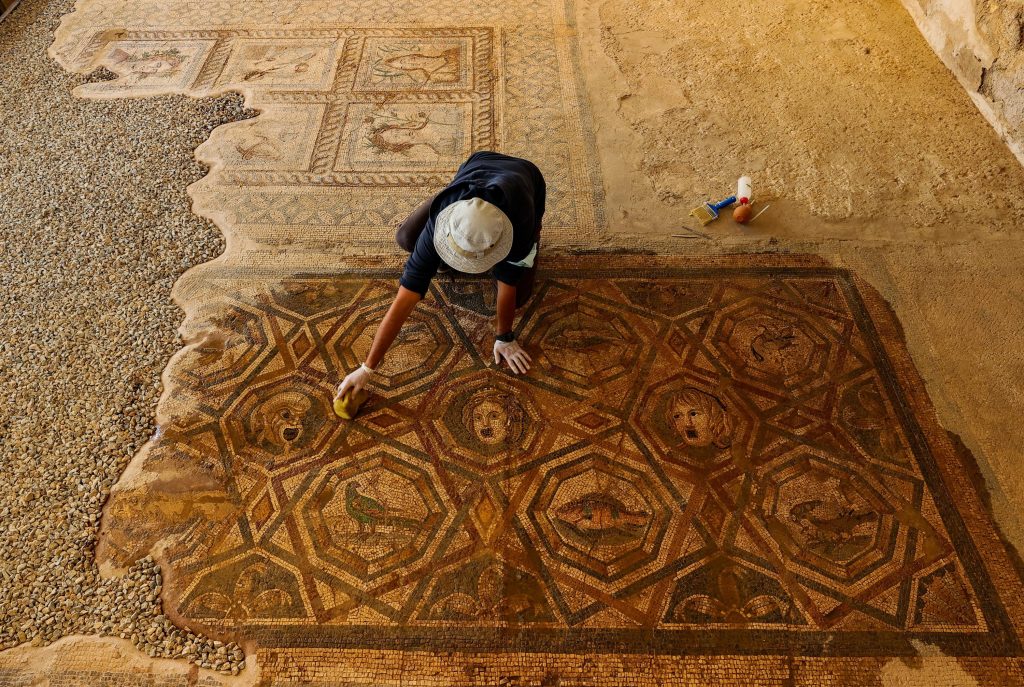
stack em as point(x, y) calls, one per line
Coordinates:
point(708, 212)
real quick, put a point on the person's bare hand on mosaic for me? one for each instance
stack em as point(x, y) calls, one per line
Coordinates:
point(512, 353)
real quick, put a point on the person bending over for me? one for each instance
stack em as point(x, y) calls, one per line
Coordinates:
point(487, 218)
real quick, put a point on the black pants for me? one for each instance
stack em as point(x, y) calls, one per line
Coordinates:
point(409, 232)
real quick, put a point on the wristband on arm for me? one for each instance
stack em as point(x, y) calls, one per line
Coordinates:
point(507, 337)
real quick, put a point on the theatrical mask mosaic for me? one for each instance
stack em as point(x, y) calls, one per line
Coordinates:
point(698, 456)
point(725, 458)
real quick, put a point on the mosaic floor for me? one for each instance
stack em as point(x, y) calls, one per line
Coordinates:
point(723, 455)
point(365, 109)
point(727, 458)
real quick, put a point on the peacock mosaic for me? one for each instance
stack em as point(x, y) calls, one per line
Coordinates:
point(701, 457)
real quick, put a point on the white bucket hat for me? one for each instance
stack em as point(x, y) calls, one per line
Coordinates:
point(472, 235)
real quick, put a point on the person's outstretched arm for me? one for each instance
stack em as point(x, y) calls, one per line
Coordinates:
point(505, 307)
point(510, 351)
point(388, 330)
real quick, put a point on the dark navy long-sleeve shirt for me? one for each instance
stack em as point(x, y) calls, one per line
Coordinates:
point(514, 185)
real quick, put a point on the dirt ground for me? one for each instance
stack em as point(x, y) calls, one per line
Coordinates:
point(850, 126)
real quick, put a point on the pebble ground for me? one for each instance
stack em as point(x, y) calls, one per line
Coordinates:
point(96, 227)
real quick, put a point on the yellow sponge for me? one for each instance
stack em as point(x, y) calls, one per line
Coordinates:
point(348, 405)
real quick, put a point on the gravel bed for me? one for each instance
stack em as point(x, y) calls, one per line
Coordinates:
point(96, 228)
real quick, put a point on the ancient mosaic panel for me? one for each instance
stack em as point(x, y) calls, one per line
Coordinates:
point(359, 121)
point(152, 66)
point(699, 458)
point(359, 107)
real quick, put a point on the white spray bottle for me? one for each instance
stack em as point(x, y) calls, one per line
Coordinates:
point(743, 211)
point(744, 192)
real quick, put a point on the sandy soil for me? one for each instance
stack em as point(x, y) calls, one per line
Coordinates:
point(850, 126)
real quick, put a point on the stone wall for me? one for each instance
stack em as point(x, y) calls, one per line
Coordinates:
point(982, 42)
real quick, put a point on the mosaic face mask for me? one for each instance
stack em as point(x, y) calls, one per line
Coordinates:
point(280, 420)
point(700, 419)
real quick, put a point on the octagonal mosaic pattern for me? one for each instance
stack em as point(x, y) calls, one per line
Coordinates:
point(700, 457)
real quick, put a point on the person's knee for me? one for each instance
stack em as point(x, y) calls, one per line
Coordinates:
point(404, 240)
point(524, 290)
